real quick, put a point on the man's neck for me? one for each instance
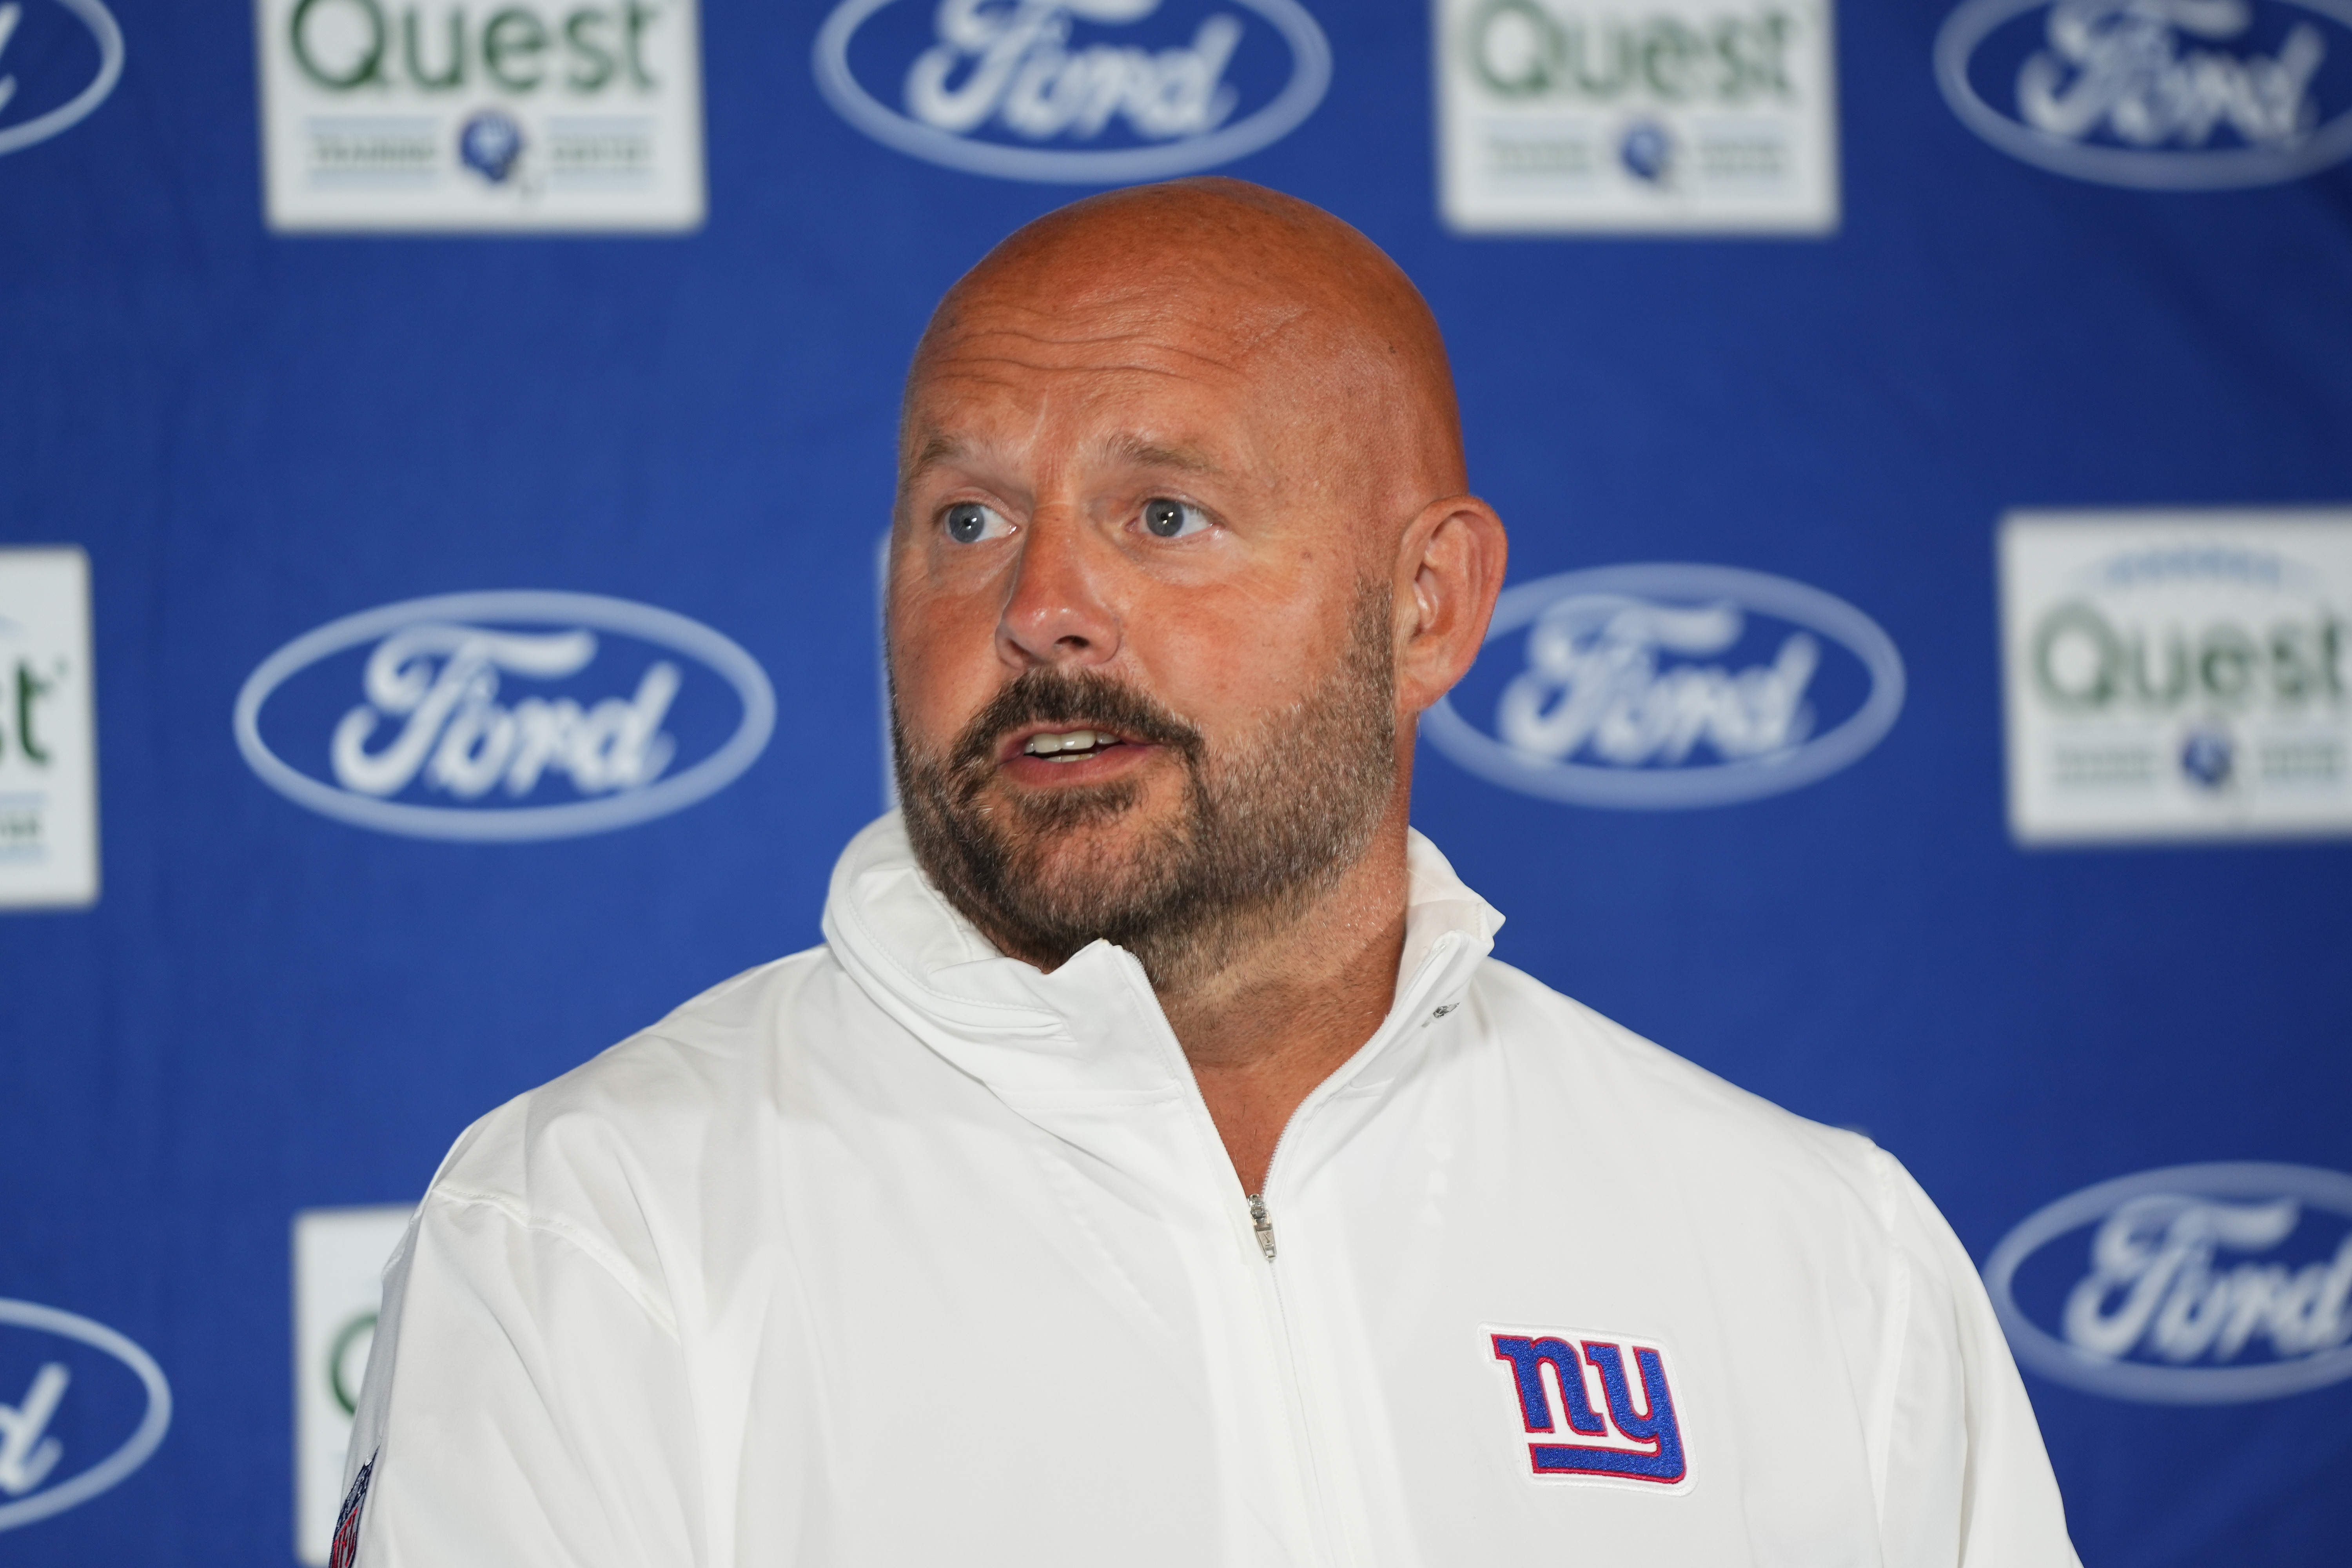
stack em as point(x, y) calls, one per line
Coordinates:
point(1268, 1027)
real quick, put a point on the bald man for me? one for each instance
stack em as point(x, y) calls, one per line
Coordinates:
point(1153, 1167)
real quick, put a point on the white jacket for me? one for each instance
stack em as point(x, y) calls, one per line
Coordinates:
point(899, 1252)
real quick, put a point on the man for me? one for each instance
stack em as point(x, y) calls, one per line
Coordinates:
point(1152, 1167)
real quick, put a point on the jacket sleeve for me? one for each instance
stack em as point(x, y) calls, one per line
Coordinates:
point(1965, 1481)
point(525, 1406)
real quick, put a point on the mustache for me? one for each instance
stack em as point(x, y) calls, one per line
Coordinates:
point(1047, 695)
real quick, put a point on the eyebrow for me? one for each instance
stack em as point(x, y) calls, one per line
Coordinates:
point(1143, 453)
point(938, 447)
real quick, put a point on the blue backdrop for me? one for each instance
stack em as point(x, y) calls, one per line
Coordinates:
point(252, 434)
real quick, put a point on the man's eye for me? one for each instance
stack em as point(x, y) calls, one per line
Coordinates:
point(1165, 519)
point(969, 523)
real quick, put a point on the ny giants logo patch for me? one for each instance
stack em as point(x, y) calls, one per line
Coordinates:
point(1600, 1406)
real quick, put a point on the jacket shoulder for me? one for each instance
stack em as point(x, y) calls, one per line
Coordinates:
point(1724, 1129)
point(655, 1098)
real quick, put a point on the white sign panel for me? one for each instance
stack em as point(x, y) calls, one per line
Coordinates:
point(434, 115)
point(48, 733)
point(1637, 116)
point(339, 1258)
point(2177, 675)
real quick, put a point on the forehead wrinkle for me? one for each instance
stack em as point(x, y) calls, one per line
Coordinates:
point(1254, 276)
point(1244, 310)
point(975, 347)
point(1287, 334)
point(956, 368)
point(1221, 320)
point(1282, 322)
point(1175, 450)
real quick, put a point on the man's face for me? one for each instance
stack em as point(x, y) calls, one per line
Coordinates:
point(1140, 645)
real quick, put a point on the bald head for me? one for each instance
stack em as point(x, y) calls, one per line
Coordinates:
point(1242, 281)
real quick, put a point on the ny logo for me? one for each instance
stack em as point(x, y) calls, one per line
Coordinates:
point(1632, 1441)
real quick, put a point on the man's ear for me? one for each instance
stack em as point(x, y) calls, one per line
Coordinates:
point(1449, 570)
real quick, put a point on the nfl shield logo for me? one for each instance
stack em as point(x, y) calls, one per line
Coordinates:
point(346, 1549)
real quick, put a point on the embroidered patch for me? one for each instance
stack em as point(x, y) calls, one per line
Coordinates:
point(1599, 1407)
point(346, 1549)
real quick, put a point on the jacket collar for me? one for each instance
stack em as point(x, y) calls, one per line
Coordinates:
point(1094, 1026)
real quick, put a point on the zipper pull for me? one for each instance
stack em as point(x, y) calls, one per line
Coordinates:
point(1263, 1225)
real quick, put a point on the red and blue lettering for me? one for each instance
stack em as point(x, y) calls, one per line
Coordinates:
point(1650, 1445)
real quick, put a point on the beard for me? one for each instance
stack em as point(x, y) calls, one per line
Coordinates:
point(1267, 823)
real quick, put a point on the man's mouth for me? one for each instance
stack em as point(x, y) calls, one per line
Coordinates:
point(1070, 745)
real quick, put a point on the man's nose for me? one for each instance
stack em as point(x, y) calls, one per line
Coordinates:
point(1055, 613)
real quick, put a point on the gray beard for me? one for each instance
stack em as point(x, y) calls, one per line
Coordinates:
point(1266, 828)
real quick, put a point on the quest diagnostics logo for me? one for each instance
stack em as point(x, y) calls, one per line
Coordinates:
point(1074, 91)
point(58, 61)
point(2196, 1285)
point(1637, 116)
point(2177, 675)
point(90, 1407)
point(1667, 686)
point(2158, 94)
point(504, 716)
point(426, 115)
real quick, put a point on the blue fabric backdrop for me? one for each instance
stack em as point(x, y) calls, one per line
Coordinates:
point(252, 434)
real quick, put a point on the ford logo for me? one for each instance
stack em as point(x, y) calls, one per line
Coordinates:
point(1665, 686)
point(77, 1385)
point(1074, 91)
point(504, 716)
point(2158, 94)
point(27, 114)
point(2195, 1285)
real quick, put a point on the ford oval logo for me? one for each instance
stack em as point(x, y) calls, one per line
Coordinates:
point(504, 716)
point(33, 30)
point(2158, 94)
point(1074, 91)
point(1665, 686)
point(2194, 1285)
point(90, 1407)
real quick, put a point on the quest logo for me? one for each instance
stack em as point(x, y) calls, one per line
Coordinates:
point(435, 115)
point(58, 61)
point(2156, 94)
point(1637, 116)
point(504, 716)
point(1661, 686)
point(1074, 91)
point(2177, 675)
point(92, 1407)
point(2195, 1285)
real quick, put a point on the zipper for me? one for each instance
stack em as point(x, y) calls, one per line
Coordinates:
point(1260, 1222)
point(1263, 1225)
point(1325, 1537)
point(1328, 1534)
